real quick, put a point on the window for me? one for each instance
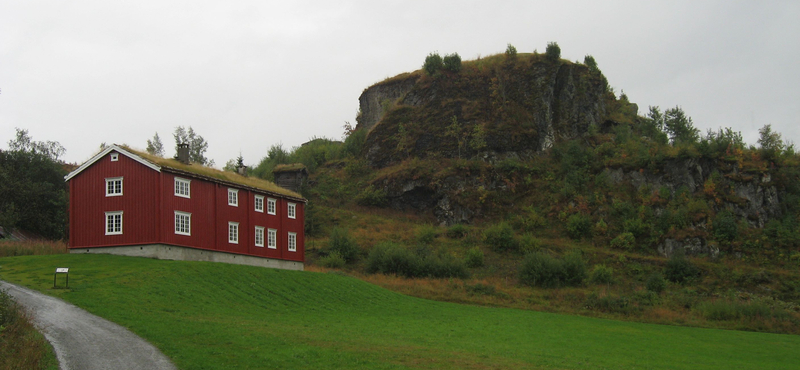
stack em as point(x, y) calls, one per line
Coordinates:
point(291, 210)
point(182, 187)
point(259, 203)
point(114, 186)
point(292, 242)
point(183, 223)
point(259, 236)
point(114, 157)
point(233, 197)
point(272, 239)
point(271, 206)
point(114, 223)
point(233, 232)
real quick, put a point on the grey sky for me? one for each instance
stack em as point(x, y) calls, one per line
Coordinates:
point(250, 74)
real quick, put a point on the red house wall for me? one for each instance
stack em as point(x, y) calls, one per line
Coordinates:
point(88, 203)
point(201, 205)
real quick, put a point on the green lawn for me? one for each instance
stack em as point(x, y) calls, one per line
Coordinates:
point(218, 316)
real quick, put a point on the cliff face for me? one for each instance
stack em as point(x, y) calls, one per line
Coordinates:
point(493, 107)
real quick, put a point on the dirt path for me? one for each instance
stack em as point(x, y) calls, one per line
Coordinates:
point(83, 341)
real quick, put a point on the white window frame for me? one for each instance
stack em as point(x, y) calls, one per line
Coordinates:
point(259, 203)
point(183, 184)
point(272, 239)
point(114, 180)
point(233, 197)
point(113, 222)
point(188, 217)
point(114, 157)
point(233, 232)
point(292, 242)
point(271, 206)
point(259, 239)
point(291, 210)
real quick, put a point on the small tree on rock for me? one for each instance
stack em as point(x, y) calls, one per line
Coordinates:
point(433, 63)
point(553, 52)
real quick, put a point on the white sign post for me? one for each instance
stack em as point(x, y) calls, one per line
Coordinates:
point(61, 270)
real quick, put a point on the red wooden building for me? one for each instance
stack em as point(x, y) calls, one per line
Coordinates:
point(131, 203)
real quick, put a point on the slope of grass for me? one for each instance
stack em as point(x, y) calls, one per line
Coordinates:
point(218, 316)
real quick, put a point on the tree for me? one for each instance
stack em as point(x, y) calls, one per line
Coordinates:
point(433, 63)
point(590, 62)
point(33, 195)
point(452, 62)
point(511, 52)
point(679, 127)
point(197, 145)
point(456, 131)
point(553, 52)
point(770, 142)
point(155, 147)
point(24, 143)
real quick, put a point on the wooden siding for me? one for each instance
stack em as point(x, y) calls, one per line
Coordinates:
point(88, 204)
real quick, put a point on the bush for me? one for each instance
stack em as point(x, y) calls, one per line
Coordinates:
point(734, 310)
point(457, 231)
point(578, 226)
point(539, 269)
point(511, 52)
point(501, 238)
point(590, 62)
point(608, 303)
point(433, 63)
point(392, 258)
point(372, 197)
point(623, 241)
point(725, 228)
point(602, 274)
point(656, 283)
point(452, 62)
point(679, 269)
point(474, 257)
point(426, 234)
point(529, 243)
point(332, 260)
point(553, 52)
point(354, 143)
point(340, 242)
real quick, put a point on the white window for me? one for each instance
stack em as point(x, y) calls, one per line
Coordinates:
point(182, 187)
point(114, 157)
point(233, 197)
point(114, 186)
point(259, 236)
point(291, 212)
point(183, 223)
point(272, 239)
point(292, 242)
point(259, 203)
point(271, 206)
point(114, 223)
point(233, 232)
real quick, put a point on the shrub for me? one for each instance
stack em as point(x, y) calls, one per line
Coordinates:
point(578, 226)
point(656, 283)
point(539, 269)
point(602, 274)
point(457, 231)
point(529, 243)
point(426, 234)
point(452, 62)
point(474, 257)
point(734, 310)
point(481, 289)
point(623, 241)
point(501, 237)
point(392, 258)
point(433, 63)
point(332, 260)
point(553, 52)
point(354, 143)
point(590, 62)
point(725, 228)
point(372, 197)
point(608, 303)
point(679, 269)
point(340, 242)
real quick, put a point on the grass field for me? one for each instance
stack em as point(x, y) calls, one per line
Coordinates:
point(219, 316)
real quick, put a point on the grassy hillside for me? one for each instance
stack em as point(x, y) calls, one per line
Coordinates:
point(218, 316)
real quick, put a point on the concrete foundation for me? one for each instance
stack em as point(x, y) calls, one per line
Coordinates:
point(171, 252)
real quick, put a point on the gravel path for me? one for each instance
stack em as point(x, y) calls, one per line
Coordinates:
point(83, 341)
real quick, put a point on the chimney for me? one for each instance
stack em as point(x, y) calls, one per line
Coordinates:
point(183, 153)
point(242, 170)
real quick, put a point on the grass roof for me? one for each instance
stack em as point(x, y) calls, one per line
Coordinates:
point(289, 167)
point(215, 175)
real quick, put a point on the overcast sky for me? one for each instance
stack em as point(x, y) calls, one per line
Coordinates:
point(249, 74)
